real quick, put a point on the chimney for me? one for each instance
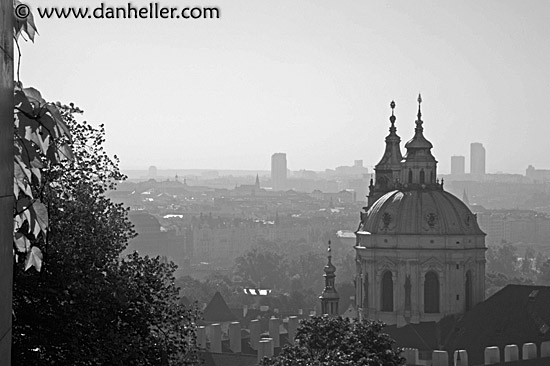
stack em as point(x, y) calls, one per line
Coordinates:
point(201, 337)
point(292, 328)
point(460, 358)
point(265, 348)
point(440, 358)
point(411, 355)
point(274, 332)
point(255, 331)
point(235, 337)
point(545, 349)
point(492, 355)
point(215, 338)
point(529, 351)
point(511, 353)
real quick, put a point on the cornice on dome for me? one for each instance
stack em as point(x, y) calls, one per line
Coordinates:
point(425, 212)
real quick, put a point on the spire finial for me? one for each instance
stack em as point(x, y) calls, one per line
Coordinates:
point(392, 118)
point(419, 103)
point(329, 248)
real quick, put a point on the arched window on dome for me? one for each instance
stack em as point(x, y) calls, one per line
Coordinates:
point(431, 176)
point(387, 292)
point(410, 176)
point(468, 291)
point(422, 177)
point(431, 293)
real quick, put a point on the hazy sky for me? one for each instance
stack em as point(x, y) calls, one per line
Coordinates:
point(313, 79)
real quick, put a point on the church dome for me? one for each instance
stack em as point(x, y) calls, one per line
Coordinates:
point(420, 211)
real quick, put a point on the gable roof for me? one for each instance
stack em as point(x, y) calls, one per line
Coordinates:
point(517, 314)
point(218, 311)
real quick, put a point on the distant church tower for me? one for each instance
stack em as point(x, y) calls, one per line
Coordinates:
point(329, 297)
point(420, 253)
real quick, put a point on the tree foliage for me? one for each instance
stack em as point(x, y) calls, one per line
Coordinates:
point(87, 306)
point(262, 269)
point(338, 342)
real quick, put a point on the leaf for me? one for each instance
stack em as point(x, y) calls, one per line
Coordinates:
point(34, 259)
point(21, 170)
point(34, 96)
point(41, 214)
point(24, 25)
point(22, 102)
point(21, 242)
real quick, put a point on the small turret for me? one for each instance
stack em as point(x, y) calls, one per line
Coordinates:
point(329, 297)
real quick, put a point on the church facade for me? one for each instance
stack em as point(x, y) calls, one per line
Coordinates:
point(420, 254)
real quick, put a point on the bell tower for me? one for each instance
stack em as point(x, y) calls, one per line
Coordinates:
point(418, 166)
point(388, 170)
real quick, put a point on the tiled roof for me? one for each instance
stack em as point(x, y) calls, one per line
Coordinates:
point(516, 314)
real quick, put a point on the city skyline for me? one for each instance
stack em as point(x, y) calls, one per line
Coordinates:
point(312, 79)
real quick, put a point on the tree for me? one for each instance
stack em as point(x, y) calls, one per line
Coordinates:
point(545, 273)
point(338, 342)
point(307, 271)
point(503, 259)
point(260, 268)
point(87, 306)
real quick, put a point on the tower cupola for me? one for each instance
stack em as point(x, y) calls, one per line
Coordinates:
point(418, 166)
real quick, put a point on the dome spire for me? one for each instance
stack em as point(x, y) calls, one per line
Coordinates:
point(419, 115)
point(393, 129)
point(329, 268)
point(419, 121)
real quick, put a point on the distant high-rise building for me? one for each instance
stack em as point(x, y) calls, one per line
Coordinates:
point(278, 171)
point(477, 158)
point(458, 164)
point(152, 171)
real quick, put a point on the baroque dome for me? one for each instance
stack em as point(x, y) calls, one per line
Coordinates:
point(420, 211)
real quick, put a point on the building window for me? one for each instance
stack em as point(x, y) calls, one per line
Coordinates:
point(468, 291)
point(410, 176)
point(431, 293)
point(422, 177)
point(387, 292)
